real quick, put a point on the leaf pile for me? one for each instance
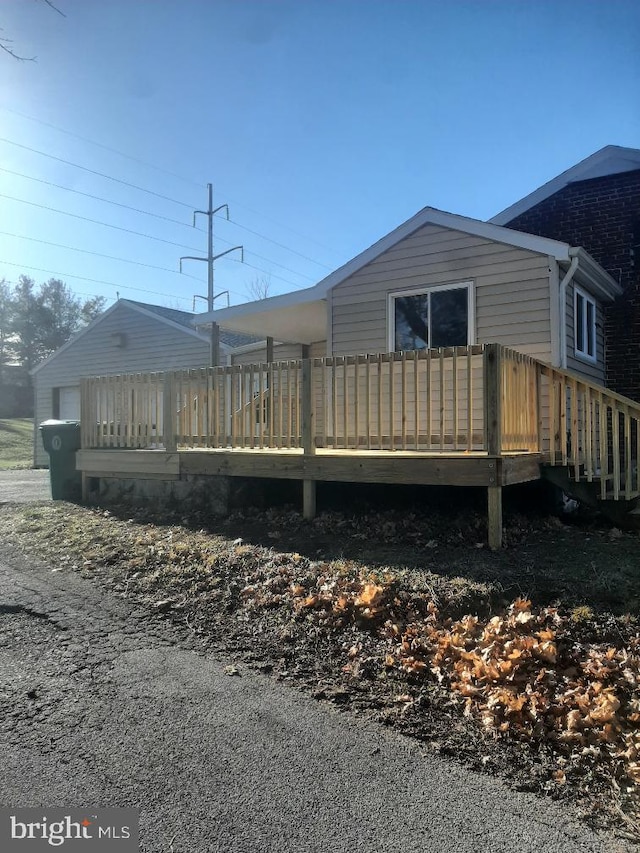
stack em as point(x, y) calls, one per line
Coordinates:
point(521, 674)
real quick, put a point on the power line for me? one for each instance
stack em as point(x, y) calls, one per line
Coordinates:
point(76, 292)
point(281, 245)
point(158, 195)
point(160, 169)
point(97, 254)
point(98, 222)
point(98, 198)
point(95, 280)
point(146, 213)
point(102, 145)
point(137, 233)
point(95, 172)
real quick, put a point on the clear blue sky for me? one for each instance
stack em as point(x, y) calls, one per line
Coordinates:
point(324, 125)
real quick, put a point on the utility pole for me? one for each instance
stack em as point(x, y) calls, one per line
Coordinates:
point(209, 213)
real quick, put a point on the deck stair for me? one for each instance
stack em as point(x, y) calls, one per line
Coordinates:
point(593, 445)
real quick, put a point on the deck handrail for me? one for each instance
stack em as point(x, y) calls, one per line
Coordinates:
point(593, 431)
point(486, 398)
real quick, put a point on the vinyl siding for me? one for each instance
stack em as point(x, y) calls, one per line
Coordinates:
point(150, 345)
point(281, 352)
point(511, 291)
point(595, 372)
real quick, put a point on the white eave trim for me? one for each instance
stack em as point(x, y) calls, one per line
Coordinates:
point(124, 303)
point(271, 303)
point(426, 216)
point(594, 278)
point(610, 160)
point(166, 320)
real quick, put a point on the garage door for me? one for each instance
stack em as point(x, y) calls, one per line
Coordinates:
point(70, 404)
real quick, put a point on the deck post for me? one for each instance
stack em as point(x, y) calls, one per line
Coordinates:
point(494, 504)
point(269, 349)
point(308, 437)
point(169, 414)
point(493, 398)
point(308, 499)
point(214, 345)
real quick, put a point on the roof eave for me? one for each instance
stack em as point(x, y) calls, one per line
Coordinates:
point(598, 280)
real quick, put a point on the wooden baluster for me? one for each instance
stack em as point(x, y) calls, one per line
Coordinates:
point(369, 425)
point(356, 402)
point(615, 424)
point(442, 398)
point(604, 447)
point(627, 453)
point(416, 399)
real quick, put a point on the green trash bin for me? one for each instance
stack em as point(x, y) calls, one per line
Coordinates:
point(61, 439)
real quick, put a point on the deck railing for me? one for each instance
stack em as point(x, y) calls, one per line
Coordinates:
point(593, 431)
point(455, 400)
point(428, 400)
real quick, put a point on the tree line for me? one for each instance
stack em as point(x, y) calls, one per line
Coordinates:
point(35, 321)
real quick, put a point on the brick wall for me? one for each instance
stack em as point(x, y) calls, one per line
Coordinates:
point(603, 216)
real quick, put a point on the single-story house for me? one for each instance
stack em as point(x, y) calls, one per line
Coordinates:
point(128, 337)
point(442, 280)
point(452, 351)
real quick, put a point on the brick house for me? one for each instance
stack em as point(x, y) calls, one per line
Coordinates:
point(596, 205)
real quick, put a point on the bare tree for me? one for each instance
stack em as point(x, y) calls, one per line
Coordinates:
point(259, 287)
point(6, 44)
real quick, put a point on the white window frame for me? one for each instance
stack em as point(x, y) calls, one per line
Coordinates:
point(584, 354)
point(419, 291)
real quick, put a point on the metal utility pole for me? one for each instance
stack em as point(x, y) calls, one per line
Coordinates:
point(209, 213)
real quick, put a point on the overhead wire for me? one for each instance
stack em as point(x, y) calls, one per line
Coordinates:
point(159, 169)
point(99, 222)
point(150, 213)
point(158, 195)
point(96, 172)
point(103, 146)
point(98, 254)
point(95, 280)
point(281, 245)
point(76, 292)
point(99, 198)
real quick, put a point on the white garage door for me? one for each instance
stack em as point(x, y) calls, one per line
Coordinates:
point(70, 404)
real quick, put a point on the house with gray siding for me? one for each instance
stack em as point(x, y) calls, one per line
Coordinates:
point(443, 280)
point(451, 351)
point(129, 337)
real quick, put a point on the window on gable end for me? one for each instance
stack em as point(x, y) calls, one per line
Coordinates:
point(436, 317)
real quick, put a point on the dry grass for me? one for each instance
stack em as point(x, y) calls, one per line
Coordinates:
point(16, 443)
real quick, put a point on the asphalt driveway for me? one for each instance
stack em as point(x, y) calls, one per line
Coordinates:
point(24, 486)
point(103, 704)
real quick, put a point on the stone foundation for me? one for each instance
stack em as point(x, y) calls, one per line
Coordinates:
point(192, 493)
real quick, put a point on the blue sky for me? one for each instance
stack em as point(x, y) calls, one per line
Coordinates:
point(323, 125)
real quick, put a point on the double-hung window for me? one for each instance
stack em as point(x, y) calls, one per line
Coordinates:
point(584, 320)
point(435, 317)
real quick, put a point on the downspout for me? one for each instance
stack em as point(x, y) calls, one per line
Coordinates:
point(573, 254)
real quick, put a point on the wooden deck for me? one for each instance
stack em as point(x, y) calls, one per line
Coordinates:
point(468, 416)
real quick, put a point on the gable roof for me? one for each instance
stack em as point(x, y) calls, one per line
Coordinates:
point(228, 338)
point(610, 160)
point(305, 310)
point(180, 320)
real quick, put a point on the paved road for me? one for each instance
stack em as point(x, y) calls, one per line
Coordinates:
point(104, 705)
point(24, 486)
